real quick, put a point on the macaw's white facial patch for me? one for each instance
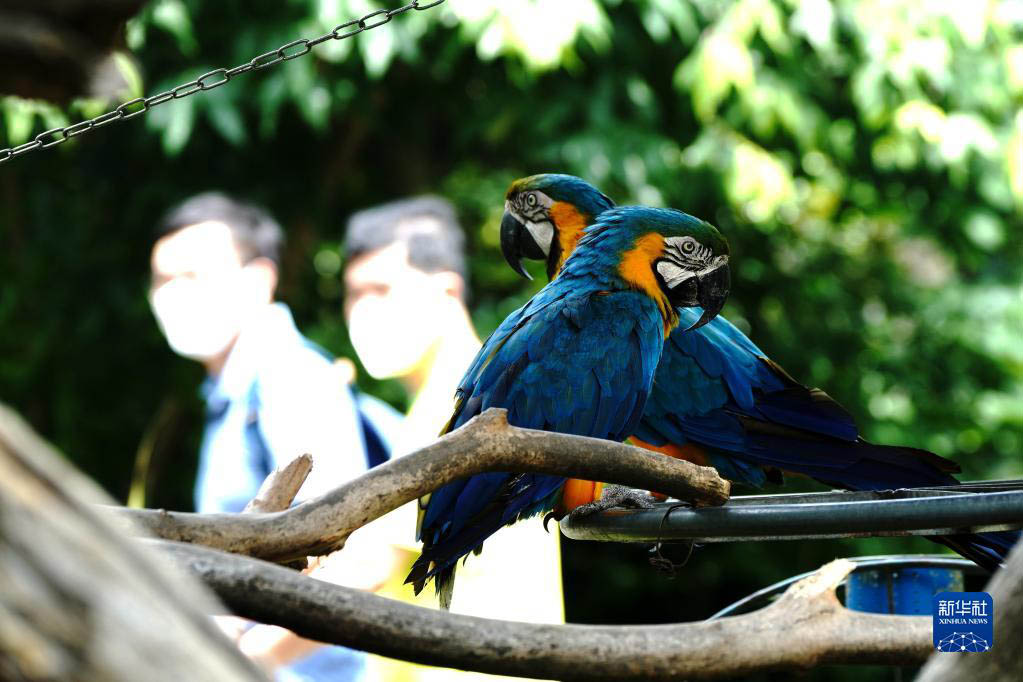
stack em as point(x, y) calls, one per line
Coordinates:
point(714, 264)
point(532, 210)
point(673, 273)
point(543, 234)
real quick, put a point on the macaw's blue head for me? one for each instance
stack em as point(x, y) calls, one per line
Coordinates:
point(676, 259)
point(544, 217)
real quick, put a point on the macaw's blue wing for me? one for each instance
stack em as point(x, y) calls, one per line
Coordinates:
point(715, 389)
point(577, 364)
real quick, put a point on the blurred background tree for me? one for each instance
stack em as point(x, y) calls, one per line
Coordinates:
point(864, 158)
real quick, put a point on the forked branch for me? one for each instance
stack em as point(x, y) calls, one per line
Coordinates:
point(486, 443)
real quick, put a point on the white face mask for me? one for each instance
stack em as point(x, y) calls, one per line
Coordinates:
point(201, 318)
point(392, 334)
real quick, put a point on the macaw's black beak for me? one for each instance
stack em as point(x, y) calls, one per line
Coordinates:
point(707, 289)
point(715, 285)
point(517, 243)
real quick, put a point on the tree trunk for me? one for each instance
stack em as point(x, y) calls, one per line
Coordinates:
point(77, 600)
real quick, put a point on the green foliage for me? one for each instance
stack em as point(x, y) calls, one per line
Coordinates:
point(864, 158)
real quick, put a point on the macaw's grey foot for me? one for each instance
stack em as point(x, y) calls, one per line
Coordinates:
point(615, 496)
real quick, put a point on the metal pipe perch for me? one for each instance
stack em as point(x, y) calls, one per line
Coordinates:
point(932, 511)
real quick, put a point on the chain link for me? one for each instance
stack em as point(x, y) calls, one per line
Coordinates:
point(212, 79)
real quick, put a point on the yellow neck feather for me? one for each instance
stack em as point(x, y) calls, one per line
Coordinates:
point(570, 224)
point(637, 269)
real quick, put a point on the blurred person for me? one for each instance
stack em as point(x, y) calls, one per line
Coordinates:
point(405, 292)
point(270, 396)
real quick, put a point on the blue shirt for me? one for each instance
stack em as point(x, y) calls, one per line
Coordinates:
point(278, 397)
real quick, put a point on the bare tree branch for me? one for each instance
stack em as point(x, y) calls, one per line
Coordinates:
point(1002, 663)
point(806, 627)
point(486, 443)
point(276, 493)
point(77, 600)
point(279, 489)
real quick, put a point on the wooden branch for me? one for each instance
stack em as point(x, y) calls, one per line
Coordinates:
point(278, 491)
point(1002, 663)
point(486, 443)
point(279, 488)
point(79, 601)
point(806, 627)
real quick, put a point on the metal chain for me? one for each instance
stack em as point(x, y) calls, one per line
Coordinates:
point(211, 80)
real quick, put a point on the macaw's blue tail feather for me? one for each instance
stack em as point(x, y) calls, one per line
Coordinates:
point(855, 465)
point(988, 550)
point(524, 495)
point(445, 584)
point(860, 465)
point(443, 581)
point(865, 466)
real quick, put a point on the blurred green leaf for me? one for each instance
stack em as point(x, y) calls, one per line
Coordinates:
point(227, 120)
point(175, 120)
point(18, 115)
point(173, 17)
point(129, 70)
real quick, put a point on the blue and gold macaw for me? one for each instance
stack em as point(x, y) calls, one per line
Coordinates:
point(578, 358)
point(717, 398)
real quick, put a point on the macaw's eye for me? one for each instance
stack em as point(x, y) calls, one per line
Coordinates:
point(531, 199)
point(688, 246)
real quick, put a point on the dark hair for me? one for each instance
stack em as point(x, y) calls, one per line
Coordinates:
point(256, 233)
point(434, 245)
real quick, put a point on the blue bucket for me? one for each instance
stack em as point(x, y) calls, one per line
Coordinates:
point(902, 591)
